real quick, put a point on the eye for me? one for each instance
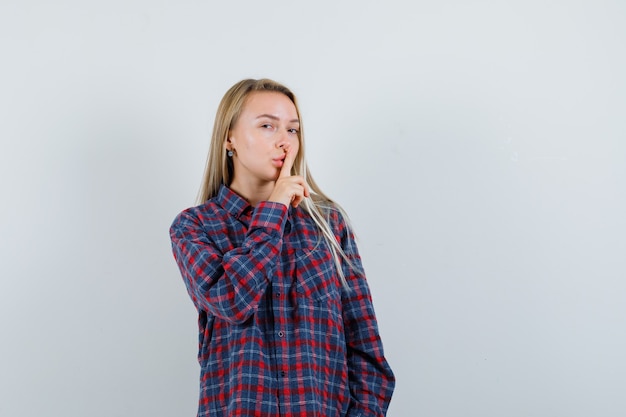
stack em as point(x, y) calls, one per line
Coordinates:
point(294, 131)
point(266, 126)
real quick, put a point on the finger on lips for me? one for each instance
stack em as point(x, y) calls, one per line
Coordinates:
point(287, 164)
point(301, 189)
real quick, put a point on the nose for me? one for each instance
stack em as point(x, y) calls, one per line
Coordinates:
point(282, 141)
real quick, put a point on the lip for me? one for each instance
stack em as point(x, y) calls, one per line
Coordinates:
point(278, 162)
point(280, 158)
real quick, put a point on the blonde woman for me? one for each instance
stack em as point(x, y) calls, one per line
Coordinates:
point(286, 322)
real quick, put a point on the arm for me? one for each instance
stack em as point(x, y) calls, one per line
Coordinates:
point(370, 377)
point(229, 285)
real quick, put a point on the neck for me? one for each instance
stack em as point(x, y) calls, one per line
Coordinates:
point(252, 193)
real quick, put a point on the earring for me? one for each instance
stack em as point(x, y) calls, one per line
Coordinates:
point(229, 153)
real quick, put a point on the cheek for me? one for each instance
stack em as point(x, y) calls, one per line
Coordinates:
point(295, 144)
point(247, 143)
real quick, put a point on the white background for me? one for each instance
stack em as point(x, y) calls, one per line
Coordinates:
point(479, 147)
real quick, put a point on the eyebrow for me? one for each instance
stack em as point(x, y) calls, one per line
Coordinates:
point(269, 116)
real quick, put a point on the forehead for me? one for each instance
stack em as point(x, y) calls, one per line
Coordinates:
point(269, 102)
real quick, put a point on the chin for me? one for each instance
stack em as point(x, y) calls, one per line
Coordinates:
point(271, 177)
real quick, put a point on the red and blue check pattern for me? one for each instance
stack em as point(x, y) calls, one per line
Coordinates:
point(279, 334)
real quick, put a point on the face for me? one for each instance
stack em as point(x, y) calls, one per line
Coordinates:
point(267, 127)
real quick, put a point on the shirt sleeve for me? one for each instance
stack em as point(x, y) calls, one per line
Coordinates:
point(228, 285)
point(371, 379)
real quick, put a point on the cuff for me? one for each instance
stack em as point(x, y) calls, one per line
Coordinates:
point(270, 215)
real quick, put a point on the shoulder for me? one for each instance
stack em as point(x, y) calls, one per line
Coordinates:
point(334, 214)
point(204, 214)
point(326, 206)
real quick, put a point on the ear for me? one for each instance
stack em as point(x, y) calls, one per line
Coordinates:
point(228, 144)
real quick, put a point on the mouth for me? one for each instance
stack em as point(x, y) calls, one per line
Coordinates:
point(278, 162)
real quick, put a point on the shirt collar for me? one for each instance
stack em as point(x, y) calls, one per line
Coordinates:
point(231, 201)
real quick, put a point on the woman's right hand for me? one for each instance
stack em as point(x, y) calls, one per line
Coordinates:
point(289, 189)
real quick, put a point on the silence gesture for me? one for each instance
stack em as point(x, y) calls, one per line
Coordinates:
point(289, 189)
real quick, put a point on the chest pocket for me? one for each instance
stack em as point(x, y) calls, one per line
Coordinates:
point(318, 299)
point(313, 271)
point(316, 275)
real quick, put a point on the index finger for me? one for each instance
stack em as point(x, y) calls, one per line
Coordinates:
point(287, 164)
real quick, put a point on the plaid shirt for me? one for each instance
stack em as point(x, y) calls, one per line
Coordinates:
point(279, 334)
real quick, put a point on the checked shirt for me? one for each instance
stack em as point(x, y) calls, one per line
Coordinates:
point(278, 333)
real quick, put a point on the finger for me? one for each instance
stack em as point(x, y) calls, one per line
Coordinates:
point(300, 195)
point(296, 200)
point(303, 192)
point(305, 186)
point(287, 164)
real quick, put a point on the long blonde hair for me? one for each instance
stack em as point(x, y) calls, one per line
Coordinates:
point(219, 168)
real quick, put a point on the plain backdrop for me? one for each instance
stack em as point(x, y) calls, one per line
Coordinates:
point(479, 147)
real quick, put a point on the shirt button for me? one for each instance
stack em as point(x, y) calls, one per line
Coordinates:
point(277, 294)
point(283, 373)
point(281, 334)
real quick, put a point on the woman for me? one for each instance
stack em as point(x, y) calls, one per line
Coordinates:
point(287, 326)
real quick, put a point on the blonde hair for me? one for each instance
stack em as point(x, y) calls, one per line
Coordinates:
point(219, 168)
